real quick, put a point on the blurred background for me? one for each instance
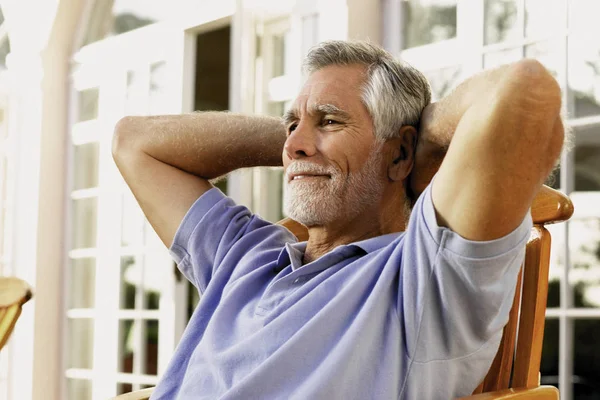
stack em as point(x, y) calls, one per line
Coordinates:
point(109, 305)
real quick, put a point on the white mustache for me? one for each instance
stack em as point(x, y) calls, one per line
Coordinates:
point(309, 168)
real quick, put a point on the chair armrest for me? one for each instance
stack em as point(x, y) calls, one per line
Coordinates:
point(143, 394)
point(538, 393)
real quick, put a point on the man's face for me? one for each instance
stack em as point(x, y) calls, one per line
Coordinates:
point(331, 158)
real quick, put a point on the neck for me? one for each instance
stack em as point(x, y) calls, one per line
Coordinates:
point(377, 221)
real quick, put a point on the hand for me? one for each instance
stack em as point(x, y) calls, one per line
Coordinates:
point(433, 139)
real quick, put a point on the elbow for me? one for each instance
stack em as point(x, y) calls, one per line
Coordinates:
point(536, 85)
point(123, 140)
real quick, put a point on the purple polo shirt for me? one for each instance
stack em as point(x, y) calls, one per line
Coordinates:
point(411, 315)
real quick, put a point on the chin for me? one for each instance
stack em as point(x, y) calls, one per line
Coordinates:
point(309, 218)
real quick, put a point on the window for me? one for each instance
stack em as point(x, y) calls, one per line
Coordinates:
point(500, 21)
point(114, 17)
point(428, 21)
point(279, 72)
point(120, 295)
point(565, 36)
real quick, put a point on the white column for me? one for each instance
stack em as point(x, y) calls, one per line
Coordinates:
point(38, 66)
point(25, 124)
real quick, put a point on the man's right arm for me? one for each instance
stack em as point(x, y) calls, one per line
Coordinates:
point(167, 161)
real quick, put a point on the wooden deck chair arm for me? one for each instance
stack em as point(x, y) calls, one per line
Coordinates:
point(538, 393)
point(14, 293)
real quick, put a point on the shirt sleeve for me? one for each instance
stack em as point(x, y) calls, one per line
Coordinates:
point(216, 233)
point(455, 294)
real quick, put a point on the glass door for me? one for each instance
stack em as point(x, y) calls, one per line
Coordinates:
point(122, 304)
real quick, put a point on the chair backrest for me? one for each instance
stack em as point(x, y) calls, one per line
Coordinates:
point(13, 294)
point(527, 315)
point(521, 368)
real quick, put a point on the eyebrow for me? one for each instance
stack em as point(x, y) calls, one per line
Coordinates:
point(291, 115)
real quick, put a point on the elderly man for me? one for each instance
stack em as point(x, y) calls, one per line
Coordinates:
point(376, 305)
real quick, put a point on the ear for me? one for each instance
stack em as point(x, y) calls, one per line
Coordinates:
point(403, 154)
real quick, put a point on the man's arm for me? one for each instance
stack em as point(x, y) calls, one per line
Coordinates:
point(505, 133)
point(167, 161)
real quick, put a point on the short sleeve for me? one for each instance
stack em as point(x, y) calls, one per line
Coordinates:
point(216, 232)
point(455, 294)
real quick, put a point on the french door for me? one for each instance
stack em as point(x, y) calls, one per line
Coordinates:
point(124, 301)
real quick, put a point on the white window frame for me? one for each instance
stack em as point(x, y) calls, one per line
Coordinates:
point(173, 41)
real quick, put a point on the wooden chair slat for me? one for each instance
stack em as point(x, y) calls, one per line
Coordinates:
point(533, 311)
point(498, 377)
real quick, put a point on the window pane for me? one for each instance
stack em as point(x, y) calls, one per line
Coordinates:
point(583, 16)
point(135, 93)
point(544, 17)
point(193, 299)
point(123, 388)
point(276, 108)
point(153, 281)
point(85, 166)
point(310, 32)
point(79, 389)
point(584, 249)
point(158, 88)
point(82, 283)
point(88, 104)
point(557, 264)
point(129, 15)
point(549, 363)
point(584, 74)
point(498, 58)
point(130, 281)
point(500, 21)
point(281, 64)
point(586, 360)
point(442, 81)
point(132, 221)
point(83, 228)
point(587, 159)
point(126, 345)
point(548, 53)
point(80, 333)
point(553, 180)
point(151, 341)
point(427, 22)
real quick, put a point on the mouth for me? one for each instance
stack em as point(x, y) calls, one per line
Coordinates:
point(305, 177)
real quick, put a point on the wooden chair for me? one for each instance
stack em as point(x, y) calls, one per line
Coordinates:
point(13, 294)
point(515, 371)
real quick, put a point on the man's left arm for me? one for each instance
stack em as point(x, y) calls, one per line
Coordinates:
point(508, 136)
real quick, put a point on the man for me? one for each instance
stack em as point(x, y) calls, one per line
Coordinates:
point(370, 306)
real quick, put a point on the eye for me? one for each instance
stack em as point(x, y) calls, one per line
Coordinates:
point(329, 121)
point(292, 127)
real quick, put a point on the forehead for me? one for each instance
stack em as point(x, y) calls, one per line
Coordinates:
point(335, 84)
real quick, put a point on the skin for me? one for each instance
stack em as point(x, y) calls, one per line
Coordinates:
point(499, 133)
point(330, 126)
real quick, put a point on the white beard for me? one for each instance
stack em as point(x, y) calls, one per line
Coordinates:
point(319, 201)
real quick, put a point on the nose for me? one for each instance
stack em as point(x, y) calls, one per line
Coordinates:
point(301, 143)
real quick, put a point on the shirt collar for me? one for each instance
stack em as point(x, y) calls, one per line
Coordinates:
point(292, 253)
point(377, 242)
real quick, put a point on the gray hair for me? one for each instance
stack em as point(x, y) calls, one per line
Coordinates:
point(394, 93)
